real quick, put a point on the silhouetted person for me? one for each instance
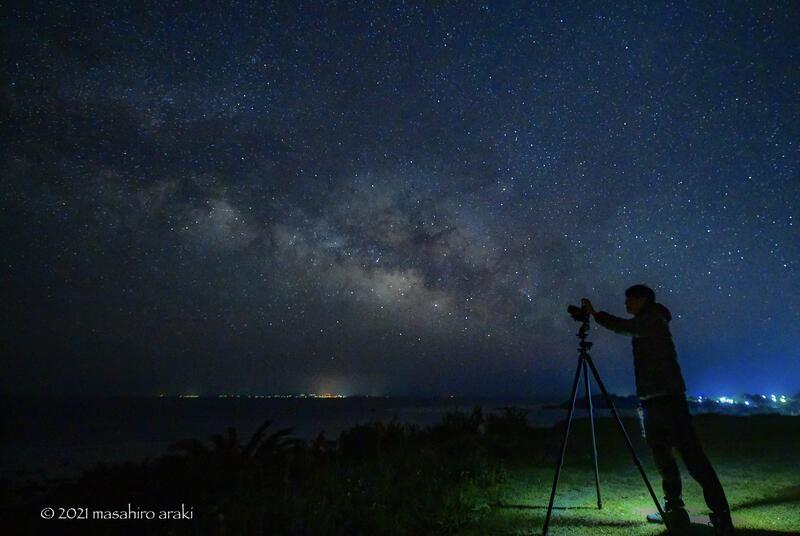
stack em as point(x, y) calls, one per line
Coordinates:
point(667, 422)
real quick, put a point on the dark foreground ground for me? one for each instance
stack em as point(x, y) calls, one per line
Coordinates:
point(471, 474)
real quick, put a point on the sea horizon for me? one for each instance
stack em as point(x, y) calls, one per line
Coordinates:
point(57, 436)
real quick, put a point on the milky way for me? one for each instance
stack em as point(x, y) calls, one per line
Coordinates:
point(386, 198)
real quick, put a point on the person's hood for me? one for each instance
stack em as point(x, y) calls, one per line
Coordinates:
point(659, 309)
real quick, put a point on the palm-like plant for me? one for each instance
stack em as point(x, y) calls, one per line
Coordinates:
point(227, 446)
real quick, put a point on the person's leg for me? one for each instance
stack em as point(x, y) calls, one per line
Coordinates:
point(670, 474)
point(657, 433)
point(698, 464)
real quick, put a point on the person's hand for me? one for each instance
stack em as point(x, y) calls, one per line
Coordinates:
point(586, 304)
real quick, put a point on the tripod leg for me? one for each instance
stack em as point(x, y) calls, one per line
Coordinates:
point(563, 446)
point(594, 440)
point(627, 441)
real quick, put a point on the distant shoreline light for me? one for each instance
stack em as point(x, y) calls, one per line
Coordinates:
point(751, 400)
point(300, 395)
point(746, 400)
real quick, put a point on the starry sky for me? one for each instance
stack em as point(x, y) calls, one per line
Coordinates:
point(395, 198)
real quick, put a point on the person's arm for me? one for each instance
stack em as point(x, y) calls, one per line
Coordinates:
point(638, 326)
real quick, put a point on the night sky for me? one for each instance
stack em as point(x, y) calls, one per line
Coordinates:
point(388, 198)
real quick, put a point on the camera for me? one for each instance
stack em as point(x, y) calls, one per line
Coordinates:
point(578, 314)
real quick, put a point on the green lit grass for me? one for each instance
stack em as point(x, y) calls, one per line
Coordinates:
point(756, 458)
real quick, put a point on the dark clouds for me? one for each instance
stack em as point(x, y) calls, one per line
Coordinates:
point(393, 199)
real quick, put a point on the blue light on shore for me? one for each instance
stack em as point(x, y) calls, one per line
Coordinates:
point(751, 401)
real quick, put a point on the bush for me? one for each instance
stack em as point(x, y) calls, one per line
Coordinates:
point(378, 478)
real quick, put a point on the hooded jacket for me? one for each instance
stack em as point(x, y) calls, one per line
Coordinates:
point(654, 358)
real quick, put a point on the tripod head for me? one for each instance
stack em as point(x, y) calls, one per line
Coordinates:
point(582, 334)
point(579, 314)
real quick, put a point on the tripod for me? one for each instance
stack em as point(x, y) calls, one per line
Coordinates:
point(585, 363)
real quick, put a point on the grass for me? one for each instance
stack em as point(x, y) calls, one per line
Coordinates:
point(756, 458)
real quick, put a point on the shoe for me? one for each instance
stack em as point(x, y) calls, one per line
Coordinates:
point(654, 518)
point(723, 525)
point(677, 517)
